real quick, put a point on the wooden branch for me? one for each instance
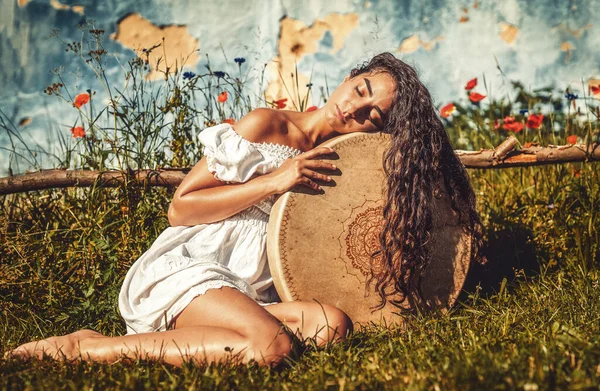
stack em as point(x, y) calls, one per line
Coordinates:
point(529, 156)
point(502, 156)
point(505, 148)
point(47, 179)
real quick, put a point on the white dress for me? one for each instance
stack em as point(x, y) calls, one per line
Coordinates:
point(187, 261)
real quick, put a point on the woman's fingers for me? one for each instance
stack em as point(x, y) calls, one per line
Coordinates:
point(300, 170)
point(313, 164)
point(306, 158)
point(307, 166)
point(315, 175)
point(307, 182)
point(316, 152)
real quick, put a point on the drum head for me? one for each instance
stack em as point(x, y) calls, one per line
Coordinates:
point(319, 244)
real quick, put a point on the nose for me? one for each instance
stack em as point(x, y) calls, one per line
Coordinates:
point(350, 110)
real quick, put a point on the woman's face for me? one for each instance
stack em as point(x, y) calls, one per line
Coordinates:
point(361, 104)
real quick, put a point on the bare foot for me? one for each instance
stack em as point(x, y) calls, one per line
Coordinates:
point(61, 348)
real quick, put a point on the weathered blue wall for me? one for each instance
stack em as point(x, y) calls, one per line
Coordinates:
point(538, 42)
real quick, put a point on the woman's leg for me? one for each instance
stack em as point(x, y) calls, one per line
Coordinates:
point(222, 324)
point(325, 323)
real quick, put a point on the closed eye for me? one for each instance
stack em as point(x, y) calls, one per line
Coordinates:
point(358, 91)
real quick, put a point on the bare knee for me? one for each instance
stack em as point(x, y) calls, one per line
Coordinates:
point(269, 348)
point(325, 323)
point(334, 325)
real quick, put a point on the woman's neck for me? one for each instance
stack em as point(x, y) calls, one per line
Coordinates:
point(313, 125)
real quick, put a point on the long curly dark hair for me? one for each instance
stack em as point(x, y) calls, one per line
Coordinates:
point(419, 155)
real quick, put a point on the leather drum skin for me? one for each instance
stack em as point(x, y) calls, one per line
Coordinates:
point(318, 245)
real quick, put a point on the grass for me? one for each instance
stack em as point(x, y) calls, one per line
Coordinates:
point(529, 320)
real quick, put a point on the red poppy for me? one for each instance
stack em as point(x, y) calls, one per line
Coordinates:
point(595, 89)
point(512, 125)
point(281, 103)
point(229, 121)
point(78, 131)
point(81, 99)
point(471, 84)
point(447, 110)
point(222, 98)
point(496, 124)
point(476, 97)
point(312, 108)
point(534, 121)
point(576, 173)
point(572, 139)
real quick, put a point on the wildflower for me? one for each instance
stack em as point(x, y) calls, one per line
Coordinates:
point(78, 131)
point(516, 127)
point(25, 121)
point(572, 139)
point(595, 90)
point(496, 124)
point(53, 89)
point(222, 98)
point(512, 125)
point(312, 108)
point(576, 173)
point(570, 96)
point(188, 75)
point(239, 60)
point(229, 121)
point(534, 121)
point(476, 97)
point(523, 111)
point(447, 110)
point(471, 84)
point(81, 99)
point(280, 103)
point(219, 74)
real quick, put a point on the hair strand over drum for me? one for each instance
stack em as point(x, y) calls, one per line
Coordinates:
point(419, 155)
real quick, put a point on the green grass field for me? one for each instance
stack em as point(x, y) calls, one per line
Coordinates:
point(529, 319)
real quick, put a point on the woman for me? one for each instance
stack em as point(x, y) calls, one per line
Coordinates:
point(201, 291)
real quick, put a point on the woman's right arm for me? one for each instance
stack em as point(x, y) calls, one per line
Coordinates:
point(203, 199)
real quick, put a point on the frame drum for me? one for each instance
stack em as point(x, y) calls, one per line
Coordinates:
point(318, 245)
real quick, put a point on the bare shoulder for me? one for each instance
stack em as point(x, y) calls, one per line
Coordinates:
point(262, 125)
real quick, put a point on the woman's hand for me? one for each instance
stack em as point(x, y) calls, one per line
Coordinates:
point(299, 170)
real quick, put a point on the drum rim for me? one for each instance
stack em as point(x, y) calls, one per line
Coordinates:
point(279, 270)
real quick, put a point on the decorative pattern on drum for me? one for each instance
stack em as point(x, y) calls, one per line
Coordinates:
point(359, 238)
point(362, 240)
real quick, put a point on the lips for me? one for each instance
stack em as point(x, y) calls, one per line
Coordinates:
point(340, 115)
